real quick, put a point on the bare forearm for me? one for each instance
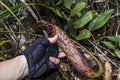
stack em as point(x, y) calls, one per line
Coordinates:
point(14, 69)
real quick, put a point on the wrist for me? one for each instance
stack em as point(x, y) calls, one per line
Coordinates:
point(24, 66)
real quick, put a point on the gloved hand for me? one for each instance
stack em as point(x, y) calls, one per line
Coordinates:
point(38, 56)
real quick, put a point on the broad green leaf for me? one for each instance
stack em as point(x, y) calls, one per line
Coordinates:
point(77, 8)
point(56, 10)
point(83, 34)
point(72, 31)
point(119, 43)
point(100, 20)
point(59, 2)
point(113, 38)
point(5, 13)
point(68, 3)
point(4, 41)
point(109, 45)
point(117, 52)
point(80, 22)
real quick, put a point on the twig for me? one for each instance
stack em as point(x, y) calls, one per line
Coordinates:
point(117, 14)
point(118, 27)
point(19, 33)
point(37, 12)
point(11, 35)
point(106, 50)
point(5, 51)
point(30, 10)
point(65, 76)
point(103, 53)
point(98, 1)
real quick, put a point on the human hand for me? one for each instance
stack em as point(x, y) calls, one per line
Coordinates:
point(57, 60)
point(37, 56)
point(61, 54)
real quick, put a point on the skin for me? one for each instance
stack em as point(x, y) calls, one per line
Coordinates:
point(61, 53)
point(17, 68)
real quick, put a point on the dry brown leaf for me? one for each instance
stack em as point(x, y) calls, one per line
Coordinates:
point(108, 71)
point(118, 76)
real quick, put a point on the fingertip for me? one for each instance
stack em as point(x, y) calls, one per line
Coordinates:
point(53, 39)
point(61, 55)
point(54, 60)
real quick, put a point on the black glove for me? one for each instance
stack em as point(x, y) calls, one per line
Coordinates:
point(38, 56)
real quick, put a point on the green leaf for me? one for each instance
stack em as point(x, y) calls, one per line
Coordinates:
point(113, 38)
point(80, 22)
point(72, 31)
point(6, 13)
point(117, 52)
point(77, 8)
point(100, 20)
point(109, 45)
point(4, 41)
point(56, 10)
point(119, 43)
point(68, 3)
point(83, 34)
point(58, 2)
